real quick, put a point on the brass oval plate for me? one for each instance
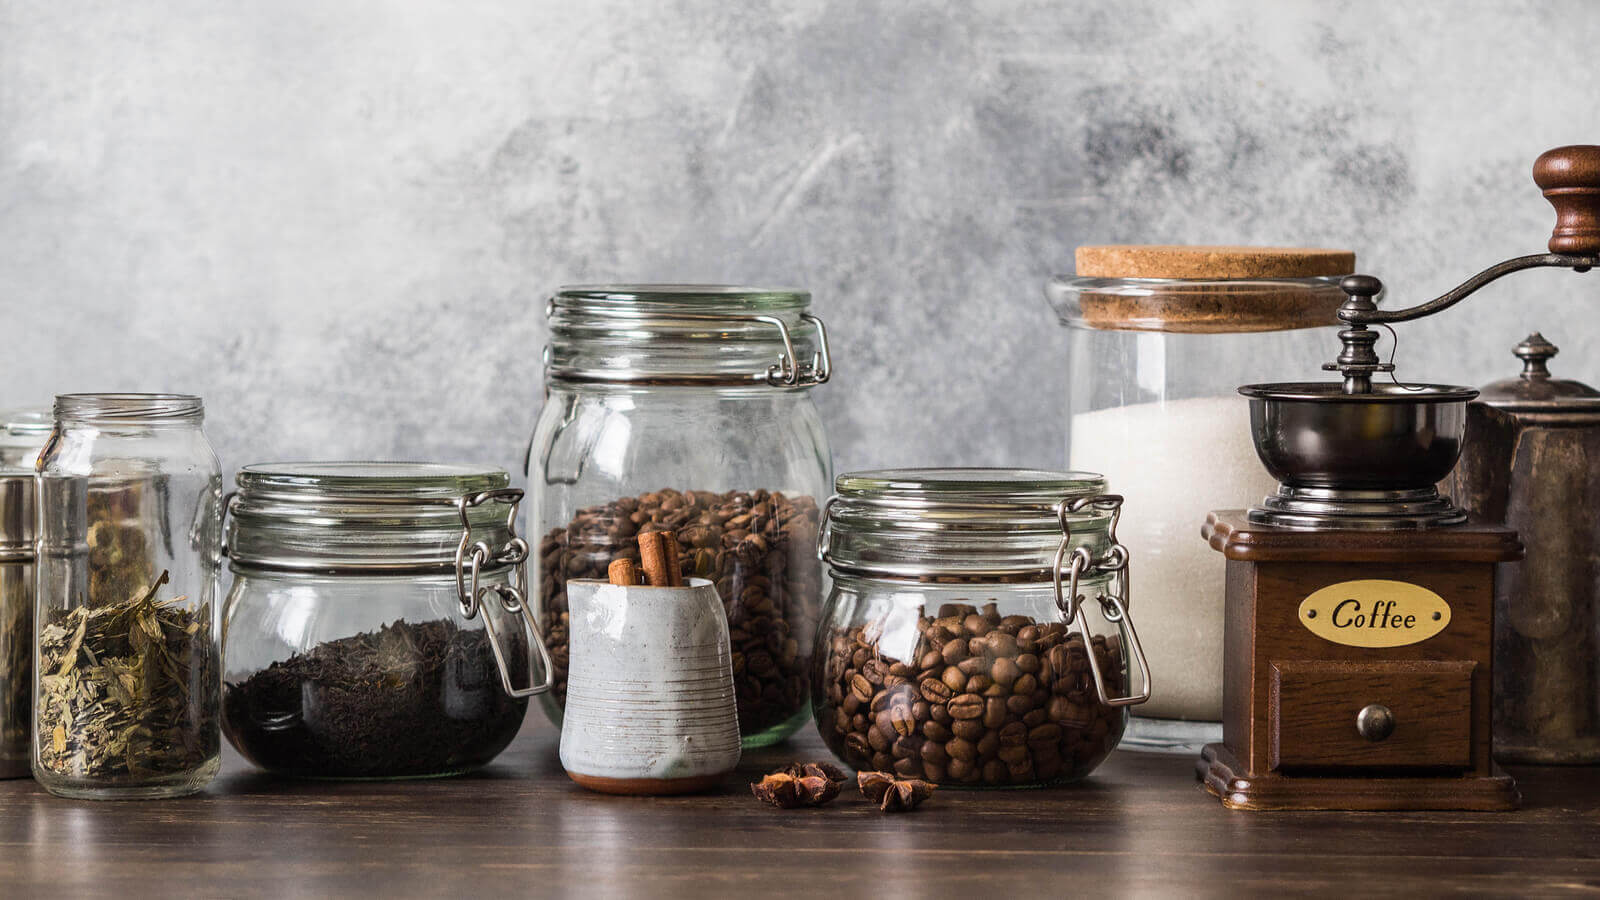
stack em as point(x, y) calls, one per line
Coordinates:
point(1374, 612)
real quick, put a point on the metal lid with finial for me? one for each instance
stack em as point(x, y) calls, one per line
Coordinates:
point(1535, 389)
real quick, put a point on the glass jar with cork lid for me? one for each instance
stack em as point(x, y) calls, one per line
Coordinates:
point(979, 630)
point(688, 408)
point(1159, 339)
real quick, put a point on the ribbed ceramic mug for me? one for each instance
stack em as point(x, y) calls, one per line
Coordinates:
point(650, 705)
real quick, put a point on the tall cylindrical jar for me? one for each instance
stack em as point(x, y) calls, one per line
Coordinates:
point(126, 655)
point(1160, 338)
point(688, 408)
point(22, 435)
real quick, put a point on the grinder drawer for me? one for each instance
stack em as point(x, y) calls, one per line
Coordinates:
point(1329, 713)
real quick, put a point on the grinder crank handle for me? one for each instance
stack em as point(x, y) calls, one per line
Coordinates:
point(1570, 179)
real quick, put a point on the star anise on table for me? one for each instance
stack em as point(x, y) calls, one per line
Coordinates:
point(893, 794)
point(800, 784)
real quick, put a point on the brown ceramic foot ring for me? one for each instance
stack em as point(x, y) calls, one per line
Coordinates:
point(647, 786)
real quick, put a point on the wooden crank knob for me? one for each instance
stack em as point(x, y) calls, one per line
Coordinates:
point(1570, 179)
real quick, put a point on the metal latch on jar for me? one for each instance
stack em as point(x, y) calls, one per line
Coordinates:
point(1079, 564)
point(786, 372)
point(513, 597)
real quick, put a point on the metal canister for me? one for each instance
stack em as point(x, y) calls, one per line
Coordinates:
point(21, 437)
point(1532, 461)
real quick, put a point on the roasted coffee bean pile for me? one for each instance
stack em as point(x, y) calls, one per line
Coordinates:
point(759, 547)
point(984, 700)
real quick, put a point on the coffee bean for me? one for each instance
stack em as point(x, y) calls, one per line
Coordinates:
point(1015, 706)
point(966, 706)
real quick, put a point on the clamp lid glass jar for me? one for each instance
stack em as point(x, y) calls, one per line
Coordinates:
point(978, 630)
point(22, 436)
point(1160, 337)
point(376, 627)
point(688, 407)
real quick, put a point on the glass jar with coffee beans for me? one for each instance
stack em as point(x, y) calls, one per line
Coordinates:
point(376, 627)
point(978, 631)
point(688, 408)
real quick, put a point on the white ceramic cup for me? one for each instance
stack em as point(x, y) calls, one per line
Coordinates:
point(650, 703)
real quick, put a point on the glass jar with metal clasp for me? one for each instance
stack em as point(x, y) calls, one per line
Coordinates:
point(688, 408)
point(978, 632)
point(377, 627)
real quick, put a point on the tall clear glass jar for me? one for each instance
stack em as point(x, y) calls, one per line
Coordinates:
point(126, 657)
point(1160, 338)
point(376, 626)
point(979, 631)
point(688, 407)
point(22, 436)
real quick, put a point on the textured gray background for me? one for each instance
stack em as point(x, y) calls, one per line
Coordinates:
point(337, 220)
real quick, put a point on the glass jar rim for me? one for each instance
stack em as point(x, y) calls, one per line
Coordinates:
point(1196, 305)
point(699, 297)
point(967, 523)
point(128, 408)
point(355, 517)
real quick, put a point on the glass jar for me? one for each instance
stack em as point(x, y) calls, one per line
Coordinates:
point(688, 407)
point(1160, 338)
point(126, 656)
point(22, 436)
point(960, 644)
point(376, 625)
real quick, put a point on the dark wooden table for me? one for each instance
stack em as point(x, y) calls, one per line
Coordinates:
point(1139, 826)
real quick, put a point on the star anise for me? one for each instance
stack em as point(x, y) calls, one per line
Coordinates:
point(799, 784)
point(893, 794)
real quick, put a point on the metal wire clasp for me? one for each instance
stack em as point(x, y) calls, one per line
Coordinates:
point(1079, 563)
point(472, 557)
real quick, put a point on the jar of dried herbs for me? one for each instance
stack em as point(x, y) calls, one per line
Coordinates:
point(688, 408)
point(376, 627)
point(126, 654)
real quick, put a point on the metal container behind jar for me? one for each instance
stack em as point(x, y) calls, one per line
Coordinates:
point(1532, 461)
point(21, 438)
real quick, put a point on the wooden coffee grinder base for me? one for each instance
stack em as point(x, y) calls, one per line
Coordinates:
point(1324, 708)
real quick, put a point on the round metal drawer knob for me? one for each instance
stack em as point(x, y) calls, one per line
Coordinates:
point(1375, 722)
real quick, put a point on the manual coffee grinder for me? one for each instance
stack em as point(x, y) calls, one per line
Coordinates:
point(1360, 601)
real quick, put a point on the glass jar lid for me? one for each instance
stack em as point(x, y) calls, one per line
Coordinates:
point(1203, 290)
point(969, 524)
point(685, 334)
point(359, 517)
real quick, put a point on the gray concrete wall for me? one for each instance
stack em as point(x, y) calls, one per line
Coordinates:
point(338, 220)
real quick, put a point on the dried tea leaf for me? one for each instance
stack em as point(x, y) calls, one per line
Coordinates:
point(121, 701)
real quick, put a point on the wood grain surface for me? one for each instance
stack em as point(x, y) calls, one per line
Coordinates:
point(1140, 826)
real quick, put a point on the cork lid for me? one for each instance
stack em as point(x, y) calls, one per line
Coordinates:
point(1178, 261)
point(1202, 289)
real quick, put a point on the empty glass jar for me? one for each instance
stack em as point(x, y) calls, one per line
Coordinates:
point(126, 659)
point(376, 626)
point(1160, 338)
point(978, 630)
point(688, 407)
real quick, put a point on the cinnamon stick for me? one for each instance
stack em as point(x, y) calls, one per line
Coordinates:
point(674, 567)
point(623, 572)
point(653, 558)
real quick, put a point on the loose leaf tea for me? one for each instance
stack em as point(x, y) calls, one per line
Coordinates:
point(405, 700)
point(128, 689)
